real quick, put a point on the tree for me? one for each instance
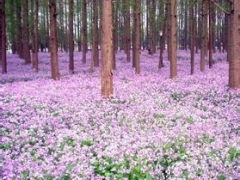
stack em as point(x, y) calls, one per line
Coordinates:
point(53, 40)
point(137, 35)
point(127, 30)
point(172, 53)
point(71, 42)
point(234, 49)
point(35, 37)
point(107, 49)
point(95, 51)
point(3, 37)
point(84, 30)
point(26, 44)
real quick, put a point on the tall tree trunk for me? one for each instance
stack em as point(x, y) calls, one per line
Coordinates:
point(26, 49)
point(127, 30)
point(19, 28)
point(95, 51)
point(173, 39)
point(84, 31)
point(3, 37)
point(193, 37)
point(107, 49)
point(211, 25)
point(137, 35)
point(53, 40)
point(234, 61)
point(204, 35)
point(71, 41)
point(35, 36)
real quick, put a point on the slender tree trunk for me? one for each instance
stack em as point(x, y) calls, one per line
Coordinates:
point(71, 41)
point(137, 35)
point(127, 30)
point(19, 28)
point(53, 40)
point(115, 44)
point(84, 30)
point(193, 37)
point(26, 48)
point(107, 49)
point(204, 35)
point(234, 61)
point(35, 36)
point(211, 25)
point(173, 39)
point(3, 39)
point(95, 51)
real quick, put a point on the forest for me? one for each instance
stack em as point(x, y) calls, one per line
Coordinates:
point(120, 89)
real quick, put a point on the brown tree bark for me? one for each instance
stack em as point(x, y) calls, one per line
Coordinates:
point(192, 38)
point(127, 30)
point(3, 38)
point(204, 35)
point(71, 41)
point(19, 36)
point(234, 49)
point(173, 39)
point(211, 25)
point(35, 37)
point(84, 30)
point(95, 51)
point(53, 40)
point(107, 49)
point(26, 44)
point(137, 35)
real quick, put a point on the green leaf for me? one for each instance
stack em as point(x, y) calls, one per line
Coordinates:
point(221, 177)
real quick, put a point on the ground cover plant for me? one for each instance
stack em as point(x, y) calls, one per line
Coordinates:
point(152, 128)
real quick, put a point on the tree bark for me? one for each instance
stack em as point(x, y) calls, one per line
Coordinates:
point(107, 49)
point(234, 61)
point(71, 41)
point(26, 48)
point(127, 30)
point(3, 37)
point(84, 31)
point(35, 36)
point(173, 39)
point(137, 35)
point(53, 40)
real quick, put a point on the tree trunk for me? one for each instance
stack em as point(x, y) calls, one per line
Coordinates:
point(173, 39)
point(19, 29)
point(127, 30)
point(26, 48)
point(193, 37)
point(71, 41)
point(84, 31)
point(35, 36)
point(137, 35)
point(53, 40)
point(204, 35)
point(211, 25)
point(95, 51)
point(3, 37)
point(234, 61)
point(107, 49)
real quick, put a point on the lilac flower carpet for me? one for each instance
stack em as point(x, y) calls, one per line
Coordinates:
point(152, 128)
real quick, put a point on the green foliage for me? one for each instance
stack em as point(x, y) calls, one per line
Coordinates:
point(221, 177)
point(233, 154)
point(5, 147)
point(87, 143)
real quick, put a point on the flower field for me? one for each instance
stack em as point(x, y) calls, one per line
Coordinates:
point(152, 128)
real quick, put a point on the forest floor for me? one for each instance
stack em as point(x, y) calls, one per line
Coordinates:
point(152, 128)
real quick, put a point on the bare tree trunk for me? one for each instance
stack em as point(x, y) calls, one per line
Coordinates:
point(107, 49)
point(35, 37)
point(127, 30)
point(204, 36)
point(26, 48)
point(137, 35)
point(173, 39)
point(71, 41)
point(53, 40)
point(3, 37)
point(234, 61)
point(211, 25)
point(193, 37)
point(95, 51)
point(84, 31)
